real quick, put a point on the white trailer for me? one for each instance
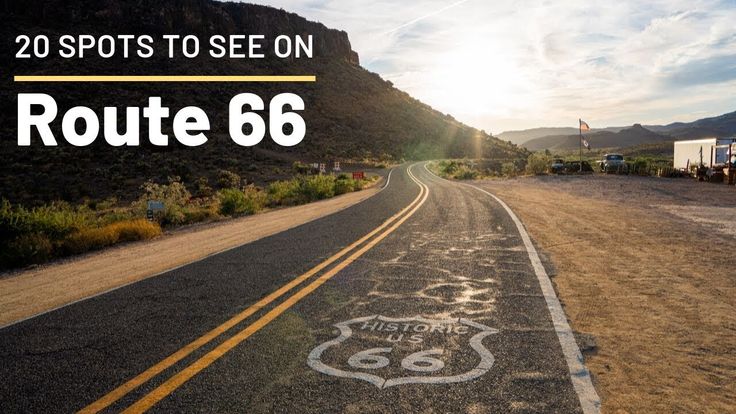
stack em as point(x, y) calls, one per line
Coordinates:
point(712, 151)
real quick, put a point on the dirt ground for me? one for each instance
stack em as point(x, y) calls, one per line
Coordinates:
point(648, 267)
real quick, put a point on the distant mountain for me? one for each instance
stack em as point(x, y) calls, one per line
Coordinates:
point(520, 137)
point(626, 137)
point(619, 137)
point(721, 125)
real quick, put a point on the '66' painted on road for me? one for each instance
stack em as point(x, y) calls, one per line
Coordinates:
point(393, 351)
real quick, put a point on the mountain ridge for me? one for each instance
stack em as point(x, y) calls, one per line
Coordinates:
point(539, 139)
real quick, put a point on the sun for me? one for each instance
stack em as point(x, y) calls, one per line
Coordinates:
point(475, 80)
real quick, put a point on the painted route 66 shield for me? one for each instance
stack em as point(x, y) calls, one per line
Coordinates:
point(394, 351)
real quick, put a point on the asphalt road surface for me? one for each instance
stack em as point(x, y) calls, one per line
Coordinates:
point(427, 297)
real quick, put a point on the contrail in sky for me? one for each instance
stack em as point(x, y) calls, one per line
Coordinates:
point(418, 19)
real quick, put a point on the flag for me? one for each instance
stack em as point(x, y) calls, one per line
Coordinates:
point(586, 144)
point(583, 125)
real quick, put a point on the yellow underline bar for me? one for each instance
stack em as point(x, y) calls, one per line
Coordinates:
point(164, 78)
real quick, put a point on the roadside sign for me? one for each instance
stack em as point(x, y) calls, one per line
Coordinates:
point(155, 205)
point(358, 175)
point(152, 207)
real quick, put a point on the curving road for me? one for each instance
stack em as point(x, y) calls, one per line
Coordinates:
point(427, 297)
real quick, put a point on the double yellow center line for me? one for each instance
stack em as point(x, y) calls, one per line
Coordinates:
point(150, 399)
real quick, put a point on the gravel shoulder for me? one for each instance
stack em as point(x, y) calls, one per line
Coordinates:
point(646, 266)
point(30, 292)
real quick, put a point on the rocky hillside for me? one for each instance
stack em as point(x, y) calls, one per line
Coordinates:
point(351, 113)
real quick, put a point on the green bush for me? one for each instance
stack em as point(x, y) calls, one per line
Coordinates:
point(284, 193)
point(234, 202)
point(318, 187)
point(465, 173)
point(55, 220)
point(228, 179)
point(508, 169)
point(538, 163)
point(345, 185)
point(255, 199)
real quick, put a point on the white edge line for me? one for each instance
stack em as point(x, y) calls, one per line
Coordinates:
point(185, 264)
point(579, 374)
point(388, 179)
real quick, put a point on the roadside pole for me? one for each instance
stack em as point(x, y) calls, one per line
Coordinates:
point(580, 142)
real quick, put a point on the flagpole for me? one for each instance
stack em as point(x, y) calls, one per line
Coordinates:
point(580, 142)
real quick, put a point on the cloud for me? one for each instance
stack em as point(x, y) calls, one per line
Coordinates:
point(426, 16)
point(518, 64)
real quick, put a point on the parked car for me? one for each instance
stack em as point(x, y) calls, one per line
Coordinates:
point(573, 167)
point(557, 166)
point(612, 163)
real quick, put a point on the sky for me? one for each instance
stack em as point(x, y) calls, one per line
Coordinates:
point(507, 65)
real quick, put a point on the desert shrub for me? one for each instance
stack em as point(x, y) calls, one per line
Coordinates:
point(134, 230)
point(89, 239)
point(199, 213)
point(359, 184)
point(537, 163)
point(95, 238)
point(114, 215)
point(465, 173)
point(301, 168)
point(447, 168)
point(228, 179)
point(234, 202)
point(345, 185)
point(255, 199)
point(174, 195)
point(26, 249)
point(460, 170)
point(284, 193)
point(54, 220)
point(318, 187)
point(508, 169)
point(202, 188)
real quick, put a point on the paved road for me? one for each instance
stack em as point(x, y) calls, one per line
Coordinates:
point(423, 298)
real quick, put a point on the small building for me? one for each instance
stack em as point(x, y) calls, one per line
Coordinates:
point(712, 152)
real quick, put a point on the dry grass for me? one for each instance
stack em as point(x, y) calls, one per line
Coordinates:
point(95, 238)
point(657, 290)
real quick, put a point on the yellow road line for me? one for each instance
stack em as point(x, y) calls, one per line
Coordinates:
point(150, 399)
point(177, 356)
point(164, 78)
